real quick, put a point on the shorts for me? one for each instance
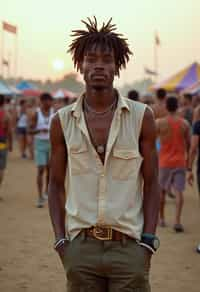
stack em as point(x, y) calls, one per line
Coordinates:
point(42, 152)
point(21, 131)
point(172, 178)
point(3, 158)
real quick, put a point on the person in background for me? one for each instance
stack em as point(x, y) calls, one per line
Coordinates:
point(104, 145)
point(159, 107)
point(195, 149)
point(39, 127)
point(148, 99)
point(59, 103)
point(31, 109)
point(186, 109)
point(196, 108)
point(174, 134)
point(5, 137)
point(22, 126)
point(134, 95)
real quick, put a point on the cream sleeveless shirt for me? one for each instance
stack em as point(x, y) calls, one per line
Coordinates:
point(109, 194)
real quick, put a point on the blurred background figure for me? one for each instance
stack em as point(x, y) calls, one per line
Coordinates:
point(31, 108)
point(22, 126)
point(148, 99)
point(159, 107)
point(5, 136)
point(196, 108)
point(39, 127)
point(174, 134)
point(134, 95)
point(195, 149)
point(186, 108)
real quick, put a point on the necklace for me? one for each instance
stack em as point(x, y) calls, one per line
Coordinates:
point(100, 148)
point(90, 109)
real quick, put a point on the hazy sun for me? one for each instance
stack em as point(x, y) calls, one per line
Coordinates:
point(58, 64)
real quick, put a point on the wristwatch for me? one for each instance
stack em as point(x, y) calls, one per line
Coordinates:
point(150, 241)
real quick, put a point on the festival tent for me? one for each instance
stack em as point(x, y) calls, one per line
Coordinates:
point(63, 93)
point(194, 89)
point(182, 80)
point(31, 93)
point(4, 89)
point(14, 90)
point(23, 85)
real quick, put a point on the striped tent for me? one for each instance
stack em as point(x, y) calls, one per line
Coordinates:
point(194, 89)
point(182, 80)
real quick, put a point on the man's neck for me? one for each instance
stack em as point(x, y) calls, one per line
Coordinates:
point(173, 115)
point(100, 99)
point(45, 111)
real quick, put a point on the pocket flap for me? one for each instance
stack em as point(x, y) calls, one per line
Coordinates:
point(125, 153)
point(78, 148)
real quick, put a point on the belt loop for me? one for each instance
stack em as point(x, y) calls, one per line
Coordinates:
point(124, 240)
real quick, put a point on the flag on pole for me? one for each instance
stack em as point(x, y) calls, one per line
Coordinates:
point(5, 62)
point(9, 27)
point(150, 72)
point(157, 39)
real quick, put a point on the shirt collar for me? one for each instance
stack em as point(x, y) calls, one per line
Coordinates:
point(76, 109)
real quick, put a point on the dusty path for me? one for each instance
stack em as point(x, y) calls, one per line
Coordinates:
point(28, 262)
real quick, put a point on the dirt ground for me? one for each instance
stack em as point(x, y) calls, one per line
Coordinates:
point(28, 262)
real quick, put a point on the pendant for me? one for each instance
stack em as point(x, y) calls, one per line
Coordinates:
point(100, 149)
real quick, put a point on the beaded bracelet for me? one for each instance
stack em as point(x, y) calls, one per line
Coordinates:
point(59, 242)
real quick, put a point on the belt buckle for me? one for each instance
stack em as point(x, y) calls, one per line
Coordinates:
point(102, 233)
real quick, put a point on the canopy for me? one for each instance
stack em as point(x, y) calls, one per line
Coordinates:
point(25, 85)
point(4, 89)
point(63, 93)
point(182, 80)
point(194, 89)
point(31, 92)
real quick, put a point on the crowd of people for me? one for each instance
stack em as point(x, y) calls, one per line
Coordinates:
point(27, 122)
point(178, 129)
point(178, 144)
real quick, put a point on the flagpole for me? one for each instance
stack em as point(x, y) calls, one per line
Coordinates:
point(16, 55)
point(2, 52)
point(155, 58)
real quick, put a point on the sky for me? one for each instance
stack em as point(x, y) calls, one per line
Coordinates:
point(44, 29)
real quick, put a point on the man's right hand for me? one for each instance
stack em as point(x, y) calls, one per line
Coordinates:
point(61, 252)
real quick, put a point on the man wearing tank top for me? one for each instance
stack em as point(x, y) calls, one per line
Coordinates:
point(39, 127)
point(174, 134)
point(5, 137)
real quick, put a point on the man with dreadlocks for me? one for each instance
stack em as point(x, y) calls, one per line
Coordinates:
point(104, 145)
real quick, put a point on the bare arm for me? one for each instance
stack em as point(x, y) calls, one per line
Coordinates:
point(58, 164)
point(192, 154)
point(8, 126)
point(151, 200)
point(32, 122)
point(196, 115)
point(187, 136)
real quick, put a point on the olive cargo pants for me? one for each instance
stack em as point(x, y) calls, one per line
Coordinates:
point(93, 265)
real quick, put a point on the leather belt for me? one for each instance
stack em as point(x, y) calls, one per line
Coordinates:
point(104, 233)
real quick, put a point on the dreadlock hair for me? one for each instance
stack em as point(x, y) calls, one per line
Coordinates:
point(105, 37)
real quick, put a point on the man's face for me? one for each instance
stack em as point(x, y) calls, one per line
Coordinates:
point(46, 104)
point(98, 68)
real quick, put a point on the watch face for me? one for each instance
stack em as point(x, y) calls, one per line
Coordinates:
point(156, 243)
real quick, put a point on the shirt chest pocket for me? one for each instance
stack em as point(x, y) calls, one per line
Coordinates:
point(79, 160)
point(125, 164)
